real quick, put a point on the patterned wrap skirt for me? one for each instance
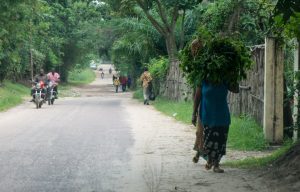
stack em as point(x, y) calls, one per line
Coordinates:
point(215, 139)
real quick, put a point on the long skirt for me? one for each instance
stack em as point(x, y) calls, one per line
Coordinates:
point(215, 139)
point(146, 93)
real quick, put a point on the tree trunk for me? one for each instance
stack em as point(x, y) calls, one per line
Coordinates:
point(174, 77)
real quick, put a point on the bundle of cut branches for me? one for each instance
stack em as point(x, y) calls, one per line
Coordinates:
point(216, 59)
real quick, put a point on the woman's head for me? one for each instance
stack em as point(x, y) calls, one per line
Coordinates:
point(145, 69)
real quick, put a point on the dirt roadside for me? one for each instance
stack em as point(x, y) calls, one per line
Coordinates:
point(167, 149)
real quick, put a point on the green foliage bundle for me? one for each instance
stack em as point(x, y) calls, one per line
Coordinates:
point(219, 59)
point(158, 67)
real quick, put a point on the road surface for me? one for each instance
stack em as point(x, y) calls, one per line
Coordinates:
point(104, 142)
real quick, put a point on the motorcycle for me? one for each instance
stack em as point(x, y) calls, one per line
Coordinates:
point(51, 94)
point(38, 94)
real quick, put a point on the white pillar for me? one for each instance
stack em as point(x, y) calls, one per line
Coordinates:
point(273, 92)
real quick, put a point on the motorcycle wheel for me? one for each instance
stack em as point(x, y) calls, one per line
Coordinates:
point(37, 104)
point(40, 104)
point(49, 101)
point(52, 101)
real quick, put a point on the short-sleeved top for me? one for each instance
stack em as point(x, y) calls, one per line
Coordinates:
point(53, 77)
point(214, 109)
point(117, 81)
point(146, 78)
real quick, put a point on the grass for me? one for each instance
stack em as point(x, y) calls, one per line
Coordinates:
point(245, 134)
point(262, 161)
point(80, 77)
point(11, 94)
point(181, 111)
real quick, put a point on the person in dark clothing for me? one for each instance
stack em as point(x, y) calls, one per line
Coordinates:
point(123, 83)
point(129, 82)
point(41, 77)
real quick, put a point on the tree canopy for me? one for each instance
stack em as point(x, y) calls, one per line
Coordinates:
point(69, 33)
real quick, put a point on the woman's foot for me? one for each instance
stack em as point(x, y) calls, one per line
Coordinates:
point(217, 168)
point(209, 164)
point(195, 159)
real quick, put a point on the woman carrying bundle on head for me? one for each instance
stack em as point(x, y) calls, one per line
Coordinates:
point(217, 67)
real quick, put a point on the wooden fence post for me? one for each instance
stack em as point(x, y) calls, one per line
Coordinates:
point(273, 91)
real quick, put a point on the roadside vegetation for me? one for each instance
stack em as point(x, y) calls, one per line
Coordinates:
point(11, 94)
point(81, 76)
point(262, 161)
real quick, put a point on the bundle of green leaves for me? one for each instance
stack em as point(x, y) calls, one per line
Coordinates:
point(219, 59)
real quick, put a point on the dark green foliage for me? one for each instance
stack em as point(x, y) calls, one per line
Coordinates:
point(220, 59)
point(54, 33)
point(249, 19)
point(158, 68)
point(287, 8)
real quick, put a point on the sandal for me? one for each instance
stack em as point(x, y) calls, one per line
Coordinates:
point(208, 166)
point(195, 159)
point(217, 168)
point(209, 163)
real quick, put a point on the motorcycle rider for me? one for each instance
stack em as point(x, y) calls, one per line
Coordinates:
point(55, 78)
point(38, 78)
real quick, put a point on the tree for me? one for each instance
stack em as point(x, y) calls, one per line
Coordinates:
point(164, 16)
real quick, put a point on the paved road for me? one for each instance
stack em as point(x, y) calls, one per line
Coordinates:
point(79, 144)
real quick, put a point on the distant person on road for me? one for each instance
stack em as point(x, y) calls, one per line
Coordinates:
point(146, 80)
point(117, 84)
point(55, 78)
point(102, 74)
point(124, 83)
point(110, 70)
point(129, 82)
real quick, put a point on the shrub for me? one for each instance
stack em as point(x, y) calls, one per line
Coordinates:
point(158, 69)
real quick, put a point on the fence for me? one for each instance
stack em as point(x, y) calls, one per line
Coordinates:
point(250, 99)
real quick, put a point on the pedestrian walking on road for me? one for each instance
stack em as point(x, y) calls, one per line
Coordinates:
point(211, 111)
point(129, 82)
point(123, 83)
point(117, 84)
point(146, 80)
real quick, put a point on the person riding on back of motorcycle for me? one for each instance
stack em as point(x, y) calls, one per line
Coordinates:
point(54, 77)
point(41, 77)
